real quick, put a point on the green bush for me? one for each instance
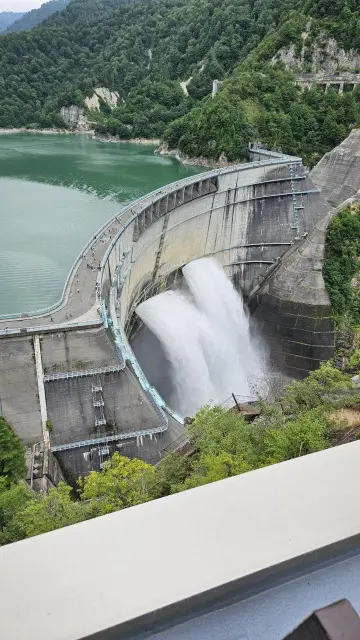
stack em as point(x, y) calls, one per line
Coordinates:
point(12, 454)
point(354, 360)
point(342, 267)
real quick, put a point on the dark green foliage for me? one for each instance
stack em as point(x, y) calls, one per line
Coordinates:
point(225, 444)
point(146, 112)
point(145, 49)
point(13, 500)
point(55, 510)
point(265, 105)
point(342, 264)
point(12, 458)
point(337, 19)
point(94, 43)
point(172, 471)
point(259, 102)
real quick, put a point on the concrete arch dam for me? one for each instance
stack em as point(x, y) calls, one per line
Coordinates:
point(72, 369)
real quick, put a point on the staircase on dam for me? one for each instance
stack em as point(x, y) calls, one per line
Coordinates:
point(76, 384)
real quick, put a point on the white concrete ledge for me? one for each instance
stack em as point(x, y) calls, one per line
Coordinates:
point(115, 570)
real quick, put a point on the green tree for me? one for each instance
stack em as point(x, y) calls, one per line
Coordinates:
point(213, 467)
point(170, 473)
point(121, 483)
point(55, 510)
point(13, 500)
point(308, 433)
point(325, 386)
point(12, 454)
point(341, 267)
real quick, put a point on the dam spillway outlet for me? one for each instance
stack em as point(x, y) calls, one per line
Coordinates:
point(205, 338)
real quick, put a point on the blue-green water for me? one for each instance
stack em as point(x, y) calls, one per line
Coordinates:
point(55, 192)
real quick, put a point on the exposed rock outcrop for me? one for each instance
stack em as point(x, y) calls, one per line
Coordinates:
point(163, 150)
point(326, 56)
point(75, 117)
point(102, 94)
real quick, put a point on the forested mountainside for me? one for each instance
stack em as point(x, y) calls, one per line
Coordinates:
point(33, 18)
point(128, 47)
point(260, 100)
point(144, 49)
point(7, 18)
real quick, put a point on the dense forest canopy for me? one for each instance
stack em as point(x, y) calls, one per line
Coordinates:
point(254, 105)
point(143, 49)
point(106, 43)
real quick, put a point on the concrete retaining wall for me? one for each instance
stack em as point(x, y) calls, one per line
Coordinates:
point(19, 397)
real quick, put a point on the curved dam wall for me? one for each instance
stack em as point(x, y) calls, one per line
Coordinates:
point(81, 374)
point(247, 216)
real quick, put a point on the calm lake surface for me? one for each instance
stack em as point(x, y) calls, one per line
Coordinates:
point(55, 192)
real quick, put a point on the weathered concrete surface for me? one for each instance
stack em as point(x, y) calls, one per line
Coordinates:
point(19, 401)
point(80, 461)
point(293, 308)
point(77, 350)
point(327, 80)
point(43, 469)
point(247, 223)
point(338, 172)
point(71, 410)
point(70, 400)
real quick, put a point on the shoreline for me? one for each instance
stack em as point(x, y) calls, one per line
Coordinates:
point(90, 132)
point(161, 148)
point(222, 162)
point(50, 132)
point(115, 139)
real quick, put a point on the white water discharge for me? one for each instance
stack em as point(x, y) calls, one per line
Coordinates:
point(205, 335)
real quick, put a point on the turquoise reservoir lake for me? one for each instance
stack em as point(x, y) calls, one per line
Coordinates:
point(55, 192)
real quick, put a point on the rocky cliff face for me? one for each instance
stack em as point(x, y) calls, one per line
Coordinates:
point(102, 94)
point(322, 56)
point(75, 117)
